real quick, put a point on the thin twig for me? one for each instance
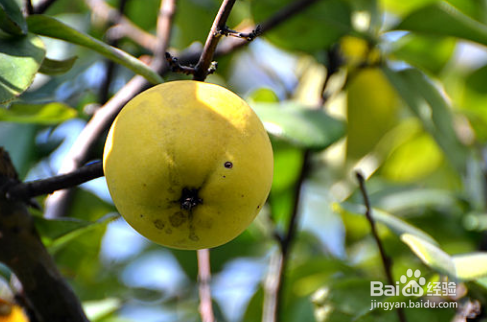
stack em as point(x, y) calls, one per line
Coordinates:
point(276, 276)
point(204, 278)
point(214, 36)
point(123, 25)
point(26, 190)
point(386, 261)
point(104, 92)
point(164, 24)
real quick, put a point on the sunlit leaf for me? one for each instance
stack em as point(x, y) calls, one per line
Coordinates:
point(55, 67)
point(300, 126)
point(51, 27)
point(470, 266)
point(430, 254)
point(441, 19)
point(46, 114)
point(11, 19)
point(20, 59)
point(473, 8)
point(97, 310)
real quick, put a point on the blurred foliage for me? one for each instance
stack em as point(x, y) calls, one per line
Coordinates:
point(394, 89)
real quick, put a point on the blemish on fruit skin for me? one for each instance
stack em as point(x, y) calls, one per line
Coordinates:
point(168, 231)
point(159, 224)
point(177, 219)
point(228, 165)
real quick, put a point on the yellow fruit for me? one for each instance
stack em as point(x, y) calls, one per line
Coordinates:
point(11, 313)
point(372, 108)
point(188, 164)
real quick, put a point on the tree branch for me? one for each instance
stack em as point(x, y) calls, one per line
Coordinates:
point(101, 9)
point(26, 190)
point(386, 261)
point(46, 292)
point(219, 24)
point(275, 278)
point(204, 278)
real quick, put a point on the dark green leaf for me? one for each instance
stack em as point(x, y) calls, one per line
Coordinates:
point(430, 53)
point(316, 28)
point(51, 27)
point(11, 19)
point(473, 8)
point(55, 67)
point(45, 114)
point(20, 59)
point(57, 232)
point(441, 19)
point(300, 126)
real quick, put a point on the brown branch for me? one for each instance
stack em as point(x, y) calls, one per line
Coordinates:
point(21, 249)
point(275, 278)
point(123, 25)
point(164, 27)
point(204, 278)
point(386, 261)
point(26, 190)
point(214, 36)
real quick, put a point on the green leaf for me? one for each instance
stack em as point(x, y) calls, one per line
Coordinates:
point(20, 59)
point(51, 27)
point(45, 114)
point(473, 8)
point(55, 67)
point(431, 254)
point(303, 127)
point(432, 110)
point(58, 232)
point(97, 310)
point(471, 266)
point(306, 30)
point(430, 53)
point(11, 19)
point(395, 224)
point(441, 19)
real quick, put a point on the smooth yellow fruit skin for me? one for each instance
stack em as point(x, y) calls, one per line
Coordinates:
point(195, 136)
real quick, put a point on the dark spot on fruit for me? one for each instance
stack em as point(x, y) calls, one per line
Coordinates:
point(224, 176)
point(159, 224)
point(193, 236)
point(258, 206)
point(177, 219)
point(141, 216)
point(168, 231)
point(189, 199)
point(145, 185)
point(228, 165)
point(242, 196)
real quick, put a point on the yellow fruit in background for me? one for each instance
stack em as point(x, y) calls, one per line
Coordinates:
point(188, 164)
point(372, 107)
